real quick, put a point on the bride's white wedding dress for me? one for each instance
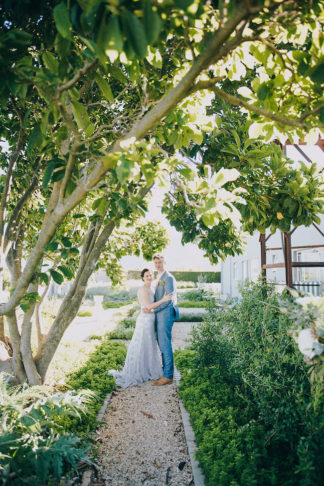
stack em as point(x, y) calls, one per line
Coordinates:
point(143, 360)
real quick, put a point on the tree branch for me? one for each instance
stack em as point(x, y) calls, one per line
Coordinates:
point(12, 226)
point(87, 66)
point(12, 161)
point(260, 111)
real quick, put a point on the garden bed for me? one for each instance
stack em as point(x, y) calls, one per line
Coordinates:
point(257, 418)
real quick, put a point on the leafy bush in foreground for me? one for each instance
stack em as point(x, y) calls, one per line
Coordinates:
point(33, 446)
point(248, 393)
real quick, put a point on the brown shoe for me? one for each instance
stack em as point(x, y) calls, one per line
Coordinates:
point(162, 381)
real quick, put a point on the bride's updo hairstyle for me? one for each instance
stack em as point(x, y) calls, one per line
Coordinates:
point(143, 272)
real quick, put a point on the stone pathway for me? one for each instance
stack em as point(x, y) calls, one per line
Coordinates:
point(100, 322)
point(142, 441)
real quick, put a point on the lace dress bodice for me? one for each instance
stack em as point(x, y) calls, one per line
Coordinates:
point(150, 295)
point(143, 360)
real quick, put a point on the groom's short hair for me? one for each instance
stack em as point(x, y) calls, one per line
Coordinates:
point(158, 256)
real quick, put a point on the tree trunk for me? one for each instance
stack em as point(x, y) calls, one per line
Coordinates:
point(17, 363)
point(25, 346)
point(73, 299)
point(38, 319)
point(2, 333)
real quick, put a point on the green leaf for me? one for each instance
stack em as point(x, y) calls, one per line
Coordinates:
point(208, 220)
point(263, 91)
point(35, 139)
point(317, 74)
point(321, 115)
point(152, 23)
point(124, 168)
point(183, 4)
point(118, 74)
point(52, 246)
point(302, 67)
point(58, 175)
point(135, 33)
point(62, 46)
point(44, 278)
point(114, 39)
point(82, 118)
point(66, 241)
point(56, 276)
point(24, 307)
point(197, 137)
point(50, 62)
point(47, 175)
point(66, 272)
point(62, 21)
point(105, 88)
point(237, 138)
point(87, 5)
point(102, 207)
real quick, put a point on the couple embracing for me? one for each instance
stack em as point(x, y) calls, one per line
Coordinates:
point(159, 310)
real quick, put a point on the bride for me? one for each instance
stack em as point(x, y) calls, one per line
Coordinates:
point(143, 361)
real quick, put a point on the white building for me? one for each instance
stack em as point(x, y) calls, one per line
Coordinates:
point(236, 270)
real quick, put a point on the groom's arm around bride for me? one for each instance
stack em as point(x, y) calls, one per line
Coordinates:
point(167, 286)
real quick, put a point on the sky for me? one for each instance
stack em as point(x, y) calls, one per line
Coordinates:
point(177, 256)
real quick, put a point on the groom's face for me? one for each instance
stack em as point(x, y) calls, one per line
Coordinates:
point(159, 264)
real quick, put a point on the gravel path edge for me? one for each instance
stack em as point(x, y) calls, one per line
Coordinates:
point(198, 476)
point(87, 474)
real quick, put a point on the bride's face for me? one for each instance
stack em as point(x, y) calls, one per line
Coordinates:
point(148, 277)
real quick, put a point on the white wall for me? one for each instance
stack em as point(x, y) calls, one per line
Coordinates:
point(235, 270)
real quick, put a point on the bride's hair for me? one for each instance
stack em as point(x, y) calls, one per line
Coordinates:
point(143, 272)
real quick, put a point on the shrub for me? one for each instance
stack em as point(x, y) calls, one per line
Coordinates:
point(196, 295)
point(121, 295)
point(34, 448)
point(121, 333)
point(92, 376)
point(208, 277)
point(84, 313)
point(194, 304)
point(115, 305)
point(190, 318)
point(128, 322)
point(248, 393)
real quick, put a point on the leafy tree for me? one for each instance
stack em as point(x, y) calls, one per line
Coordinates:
point(266, 189)
point(97, 95)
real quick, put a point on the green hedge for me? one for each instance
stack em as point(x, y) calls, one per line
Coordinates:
point(257, 420)
point(115, 305)
point(208, 277)
point(192, 304)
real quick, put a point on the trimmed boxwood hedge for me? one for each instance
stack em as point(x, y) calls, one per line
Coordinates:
point(209, 277)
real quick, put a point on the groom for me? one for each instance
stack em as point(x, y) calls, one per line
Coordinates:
point(166, 314)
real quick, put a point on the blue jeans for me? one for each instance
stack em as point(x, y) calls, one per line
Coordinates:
point(164, 323)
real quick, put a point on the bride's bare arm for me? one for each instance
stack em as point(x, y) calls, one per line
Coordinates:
point(153, 305)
